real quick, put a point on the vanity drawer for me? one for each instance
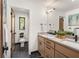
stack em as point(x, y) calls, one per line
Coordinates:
point(59, 55)
point(66, 51)
point(49, 42)
point(49, 52)
point(40, 38)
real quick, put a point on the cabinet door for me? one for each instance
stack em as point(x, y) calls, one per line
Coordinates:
point(49, 49)
point(49, 52)
point(59, 55)
point(41, 46)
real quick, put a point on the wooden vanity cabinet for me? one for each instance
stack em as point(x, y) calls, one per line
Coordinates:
point(50, 49)
point(45, 47)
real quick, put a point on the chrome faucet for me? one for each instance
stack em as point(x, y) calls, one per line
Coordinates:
point(76, 38)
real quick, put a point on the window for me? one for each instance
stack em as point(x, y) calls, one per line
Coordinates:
point(73, 20)
point(21, 23)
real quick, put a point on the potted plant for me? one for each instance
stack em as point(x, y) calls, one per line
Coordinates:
point(61, 34)
point(69, 34)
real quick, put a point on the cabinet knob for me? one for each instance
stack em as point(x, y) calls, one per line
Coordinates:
point(40, 43)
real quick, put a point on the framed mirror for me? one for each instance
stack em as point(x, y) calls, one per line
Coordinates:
point(21, 23)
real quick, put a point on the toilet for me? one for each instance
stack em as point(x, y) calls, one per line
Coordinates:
point(22, 39)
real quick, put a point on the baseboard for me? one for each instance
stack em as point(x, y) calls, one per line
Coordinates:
point(17, 43)
point(34, 51)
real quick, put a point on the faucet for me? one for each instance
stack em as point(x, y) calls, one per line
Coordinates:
point(76, 38)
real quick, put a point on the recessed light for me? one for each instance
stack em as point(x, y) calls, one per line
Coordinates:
point(73, 0)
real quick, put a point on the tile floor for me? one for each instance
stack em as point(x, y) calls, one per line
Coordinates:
point(22, 52)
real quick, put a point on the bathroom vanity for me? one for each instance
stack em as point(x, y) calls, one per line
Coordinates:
point(51, 47)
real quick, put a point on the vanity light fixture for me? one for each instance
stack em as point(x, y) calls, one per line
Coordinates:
point(50, 10)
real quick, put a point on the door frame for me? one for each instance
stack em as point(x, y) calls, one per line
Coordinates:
point(1, 29)
point(11, 29)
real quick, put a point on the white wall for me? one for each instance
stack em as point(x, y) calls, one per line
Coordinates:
point(71, 12)
point(17, 15)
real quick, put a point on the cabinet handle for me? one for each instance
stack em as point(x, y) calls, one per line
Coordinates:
point(48, 42)
point(48, 47)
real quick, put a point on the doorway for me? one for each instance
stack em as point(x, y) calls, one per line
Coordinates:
point(12, 31)
point(19, 32)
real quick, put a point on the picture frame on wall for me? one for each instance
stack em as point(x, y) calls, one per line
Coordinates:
point(21, 23)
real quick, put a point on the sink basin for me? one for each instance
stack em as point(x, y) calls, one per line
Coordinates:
point(71, 40)
point(51, 36)
point(48, 36)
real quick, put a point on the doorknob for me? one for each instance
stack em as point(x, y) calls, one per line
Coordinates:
point(5, 48)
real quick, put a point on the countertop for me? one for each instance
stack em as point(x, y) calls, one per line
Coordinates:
point(66, 42)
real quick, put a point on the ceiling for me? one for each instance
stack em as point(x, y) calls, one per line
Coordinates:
point(62, 5)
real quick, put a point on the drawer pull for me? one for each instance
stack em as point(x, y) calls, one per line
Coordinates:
point(47, 47)
point(48, 42)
